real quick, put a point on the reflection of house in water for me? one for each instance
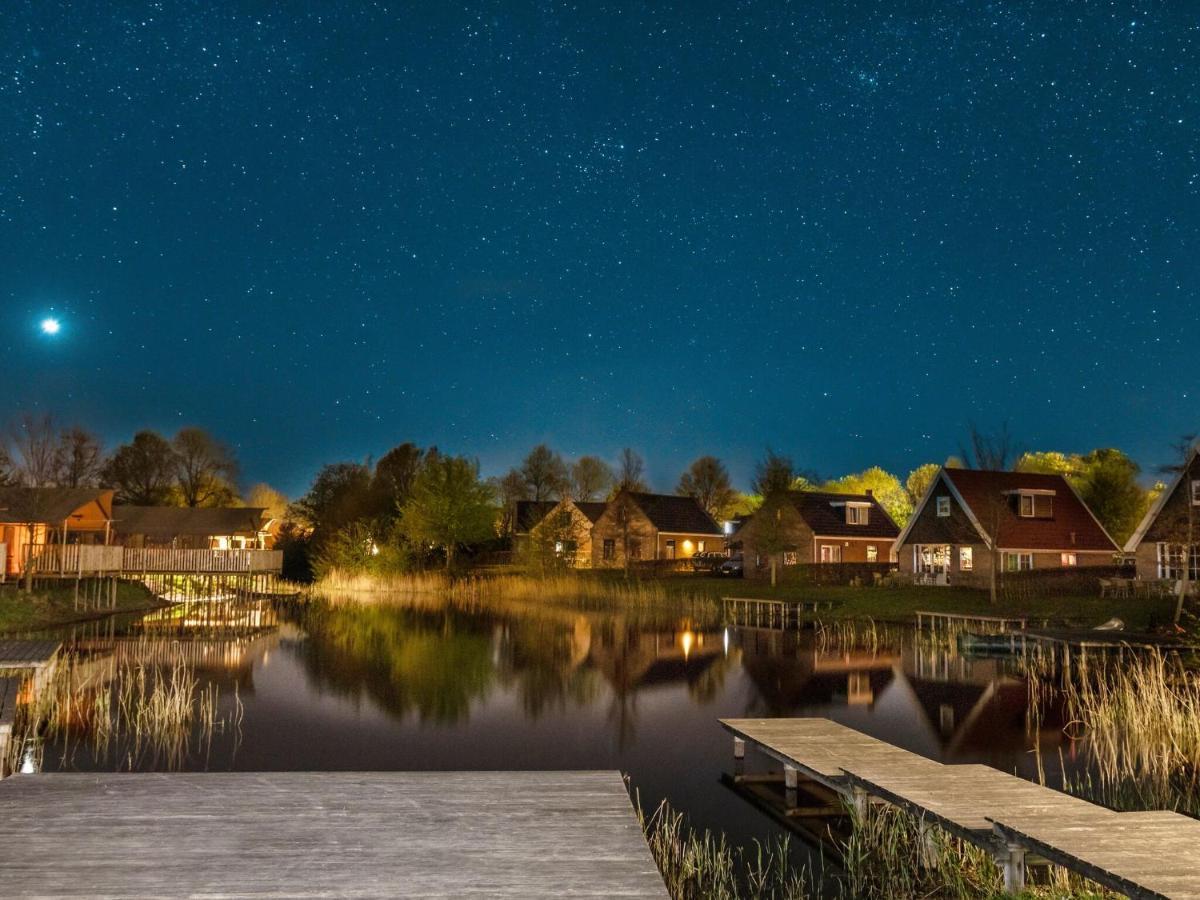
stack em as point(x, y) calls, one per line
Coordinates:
point(26, 671)
point(631, 659)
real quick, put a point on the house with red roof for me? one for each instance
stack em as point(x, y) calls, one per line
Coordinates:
point(637, 527)
point(1031, 520)
point(1168, 537)
point(806, 527)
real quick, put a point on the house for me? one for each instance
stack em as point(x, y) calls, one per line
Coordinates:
point(806, 527)
point(1037, 521)
point(51, 516)
point(187, 528)
point(526, 515)
point(566, 530)
point(641, 526)
point(1158, 543)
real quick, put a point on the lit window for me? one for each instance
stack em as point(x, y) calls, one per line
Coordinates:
point(857, 515)
point(1018, 562)
point(670, 549)
point(943, 507)
point(831, 553)
point(1070, 559)
point(699, 546)
point(872, 553)
point(790, 557)
point(966, 559)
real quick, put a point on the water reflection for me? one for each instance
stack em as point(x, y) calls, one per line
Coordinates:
point(429, 685)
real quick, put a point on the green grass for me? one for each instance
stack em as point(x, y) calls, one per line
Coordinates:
point(899, 603)
point(46, 607)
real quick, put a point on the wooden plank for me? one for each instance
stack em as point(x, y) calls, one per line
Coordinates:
point(27, 654)
point(343, 834)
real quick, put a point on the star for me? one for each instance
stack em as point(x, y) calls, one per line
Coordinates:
point(51, 326)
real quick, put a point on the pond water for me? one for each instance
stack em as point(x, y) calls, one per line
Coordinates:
point(404, 686)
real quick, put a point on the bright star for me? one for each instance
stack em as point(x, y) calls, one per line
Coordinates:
point(51, 326)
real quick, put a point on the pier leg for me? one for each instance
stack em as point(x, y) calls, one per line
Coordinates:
point(791, 782)
point(1012, 860)
point(928, 846)
point(860, 803)
point(739, 748)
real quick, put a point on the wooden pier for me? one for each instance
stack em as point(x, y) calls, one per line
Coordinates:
point(323, 834)
point(934, 620)
point(1143, 855)
point(756, 612)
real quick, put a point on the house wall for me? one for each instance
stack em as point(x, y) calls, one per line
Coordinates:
point(610, 526)
point(577, 528)
point(854, 550)
point(1171, 524)
point(756, 563)
point(982, 559)
point(688, 545)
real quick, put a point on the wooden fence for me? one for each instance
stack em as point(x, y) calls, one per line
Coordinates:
point(93, 560)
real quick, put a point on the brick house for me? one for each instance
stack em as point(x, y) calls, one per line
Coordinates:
point(652, 527)
point(817, 527)
point(566, 530)
point(1038, 520)
point(1158, 543)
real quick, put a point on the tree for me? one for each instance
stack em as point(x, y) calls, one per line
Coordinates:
point(35, 452)
point(545, 474)
point(631, 469)
point(274, 503)
point(919, 480)
point(994, 451)
point(1109, 486)
point(8, 474)
point(142, 471)
point(591, 477)
point(707, 481)
point(339, 495)
point(509, 490)
point(80, 458)
point(773, 474)
point(884, 485)
point(1050, 462)
point(392, 480)
point(448, 507)
point(205, 468)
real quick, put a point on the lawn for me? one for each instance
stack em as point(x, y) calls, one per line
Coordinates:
point(899, 603)
point(56, 606)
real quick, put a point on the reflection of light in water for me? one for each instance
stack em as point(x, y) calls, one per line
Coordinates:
point(726, 641)
point(687, 639)
point(29, 764)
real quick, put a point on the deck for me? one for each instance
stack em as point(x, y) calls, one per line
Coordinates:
point(90, 561)
point(1138, 854)
point(319, 834)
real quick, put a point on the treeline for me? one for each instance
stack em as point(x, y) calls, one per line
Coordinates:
point(192, 468)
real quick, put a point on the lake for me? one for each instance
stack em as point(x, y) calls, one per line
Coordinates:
point(389, 685)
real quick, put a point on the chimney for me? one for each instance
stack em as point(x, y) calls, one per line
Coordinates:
point(870, 493)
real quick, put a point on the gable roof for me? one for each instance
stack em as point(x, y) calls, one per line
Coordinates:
point(169, 521)
point(825, 514)
point(51, 505)
point(593, 510)
point(978, 492)
point(1160, 501)
point(672, 513)
point(529, 512)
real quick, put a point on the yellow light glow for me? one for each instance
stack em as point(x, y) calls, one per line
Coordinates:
point(687, 640)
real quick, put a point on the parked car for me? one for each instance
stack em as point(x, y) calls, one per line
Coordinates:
point(731, 566)
point(708, 561)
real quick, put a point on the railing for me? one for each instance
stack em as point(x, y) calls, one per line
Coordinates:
point(87, 559)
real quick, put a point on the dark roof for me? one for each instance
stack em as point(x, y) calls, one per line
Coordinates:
point(47, 504)
point(820, 513)
point(668, 512)
point(169, 521)
point(530, 512)
point(1071, 527)
point(593, 510)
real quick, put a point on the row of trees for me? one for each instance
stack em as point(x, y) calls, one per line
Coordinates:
point(193, 468)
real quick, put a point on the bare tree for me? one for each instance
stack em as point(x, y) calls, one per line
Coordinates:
point(707, 481)
point(591, 477)
point(545, 474)
point(995, 451)
point(509, 490)
point(80, 458)
point(34, 450)
point(631, 470)
point(773, 474)
point(205, 468)
point(142, 471)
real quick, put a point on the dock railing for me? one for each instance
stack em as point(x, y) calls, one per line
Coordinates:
point(91, 560)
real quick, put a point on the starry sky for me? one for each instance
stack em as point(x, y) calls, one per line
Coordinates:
point(843, 231)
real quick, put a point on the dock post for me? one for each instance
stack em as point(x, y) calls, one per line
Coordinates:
point(859, 797)
point(1012, 860)
point(791, 784)
point(739, 748)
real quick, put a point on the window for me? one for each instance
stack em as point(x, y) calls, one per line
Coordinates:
point(872, 553)
point(857, 515)
point(966, 559)
point(1170, 562)
point(790, 557)
point(670, 549)
point(1018, 562)
point(610, 549)
point(943, 507)
point(635, 548)
point(831, 553)
point(1027, 505)
point(1196, 492)
point(1035, 506)
point(699, 546)
point(1070, 559)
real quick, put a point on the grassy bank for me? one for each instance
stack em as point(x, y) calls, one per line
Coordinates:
point(47, 607)
point(700, 595)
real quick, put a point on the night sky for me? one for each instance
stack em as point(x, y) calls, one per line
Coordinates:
point(322, 229)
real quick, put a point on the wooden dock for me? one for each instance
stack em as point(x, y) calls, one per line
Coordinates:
point(1138, 854)
point(935, 620)
point(323, 834)
point(756, 612)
